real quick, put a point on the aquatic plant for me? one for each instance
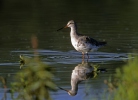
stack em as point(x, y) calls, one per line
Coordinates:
point(3, 81)
point(124, 85)
point(33, 81)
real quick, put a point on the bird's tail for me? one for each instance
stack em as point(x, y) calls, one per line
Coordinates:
point(102, 43)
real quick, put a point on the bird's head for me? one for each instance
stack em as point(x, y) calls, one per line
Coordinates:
point(71, 23)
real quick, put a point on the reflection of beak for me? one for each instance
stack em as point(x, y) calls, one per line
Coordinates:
point(63, 89)
point(62, 28)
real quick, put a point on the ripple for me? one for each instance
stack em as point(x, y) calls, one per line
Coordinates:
point(9, 64)
point(73, 57)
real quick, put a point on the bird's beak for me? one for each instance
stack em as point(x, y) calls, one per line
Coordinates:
point(62, 28)
point(66, 26)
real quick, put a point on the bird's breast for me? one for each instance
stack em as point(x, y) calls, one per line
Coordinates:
point(74, 42)
point(82, 46)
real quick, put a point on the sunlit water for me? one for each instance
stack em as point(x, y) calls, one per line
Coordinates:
point(115, 22)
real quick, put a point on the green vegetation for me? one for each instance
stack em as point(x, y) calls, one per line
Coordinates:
point(33, 81)
point(126, 81)
point(3, 81)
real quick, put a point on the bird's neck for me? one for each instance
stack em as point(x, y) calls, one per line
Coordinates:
point(74, 85)
point(74, 32)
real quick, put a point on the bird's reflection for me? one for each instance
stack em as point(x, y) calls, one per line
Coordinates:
point(80, 73)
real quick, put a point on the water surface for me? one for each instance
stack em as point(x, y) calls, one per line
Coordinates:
point(112, 21)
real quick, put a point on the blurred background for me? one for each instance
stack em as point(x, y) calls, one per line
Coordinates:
point(114, 21)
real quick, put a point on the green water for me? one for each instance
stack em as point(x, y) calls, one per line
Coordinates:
point(114, 21)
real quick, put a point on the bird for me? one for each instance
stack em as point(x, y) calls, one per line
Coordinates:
point(82, 43)
point(82, 72)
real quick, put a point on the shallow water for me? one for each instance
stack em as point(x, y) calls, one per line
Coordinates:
point(64, 63)
point(115, 22)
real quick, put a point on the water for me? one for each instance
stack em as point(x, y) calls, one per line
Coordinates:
point(113, 21)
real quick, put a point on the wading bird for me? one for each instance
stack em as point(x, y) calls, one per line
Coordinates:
point(82, 43)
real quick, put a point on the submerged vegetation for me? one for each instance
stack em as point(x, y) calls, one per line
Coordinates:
point(125, 84)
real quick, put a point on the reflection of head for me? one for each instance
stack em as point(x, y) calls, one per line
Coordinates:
point(72, 93)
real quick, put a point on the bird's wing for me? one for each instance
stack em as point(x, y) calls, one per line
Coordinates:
point(91, 41)
point(94, 42)
point(86, 39)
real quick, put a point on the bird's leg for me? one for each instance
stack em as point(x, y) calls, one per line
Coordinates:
point(83, 56)
point(87, 55)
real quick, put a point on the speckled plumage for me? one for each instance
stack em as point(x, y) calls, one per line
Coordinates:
point(82, 43)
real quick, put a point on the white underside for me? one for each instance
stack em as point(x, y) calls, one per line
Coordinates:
point(84, 48)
